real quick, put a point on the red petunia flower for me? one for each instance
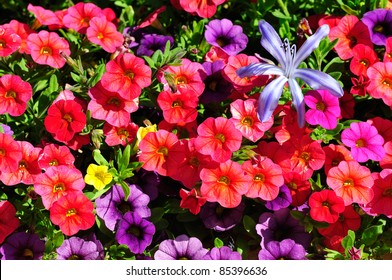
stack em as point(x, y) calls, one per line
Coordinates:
point(266, 178)
point(23, 31)
point(325, 206)
point(244, 117)
point(122, 135)
point(46, 47)
point(9, 41)
point(78, 16)
point(127, 75)
point(350, 31)
point(72, 212)
point(159, 153)
point(299, 187)
point(104, 33)
point(334, 154)
point(386, 162)
point(110, 106)
point(380, 76)
point(10, 153)
point(14, 95)
point(351, 181)
point(64, 119)
point(388, 50)
point(56, 182)
point(28, 167)
point(360, 85)
point(203, 8)
point(225, 184)
point(178, 107)
point(191, 200)
point(8, 220)
point(363, 57)
point(55, 155)
point(218, 138)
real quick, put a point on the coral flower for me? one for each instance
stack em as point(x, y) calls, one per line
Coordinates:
point(159, 153)
point(64, 119)
point(127, 74)
point(104, 33)
point(203, 8)
point(72, 212)
point(98, 176)
point(388, 50)
point(9, 41)
point(386, 162)
point(191, 200)
point(28, 167)
point(325, 206)
point(188, 75)
point(244, 117)
point(179, 107)
point(352, 182)
point(225, 184)
point(350, 31)
point(8, 220)
point(10, 154)
point(218, 138)
point(46, 47)
point(78, 16)
point(122, 135)
point(324, 108)
point(42, 15)
point(363, 57)
point(56, 182)
point(55, 155)
point(299, 187)
point(14, 95)
point(334, 154)
point(380, 76)
point(364, 140)
point(266, 178)
point(110, 106)
point(23, 31)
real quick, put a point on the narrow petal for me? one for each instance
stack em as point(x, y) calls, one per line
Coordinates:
point(269, 98)
point(298, 101)
point(319, 80)
point(271, 41)
point(256, 69)
point(311, 44)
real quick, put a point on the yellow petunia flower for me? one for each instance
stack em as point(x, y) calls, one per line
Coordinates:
point(142, 131)
point(98, 176)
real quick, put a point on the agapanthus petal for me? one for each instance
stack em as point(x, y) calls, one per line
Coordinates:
point(256, 69)
point(319, 80)
point(271, 41)
point(298, 101)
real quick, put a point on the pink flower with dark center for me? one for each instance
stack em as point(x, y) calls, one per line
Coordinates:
point(364, 141)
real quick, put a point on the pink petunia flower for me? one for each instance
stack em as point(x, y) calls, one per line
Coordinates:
point(104, 33)
point(386, 161)
point(56, 182)
point(78, 16)
point(352, 182)
point(364, 141)
point(324, 108)
point(225, 184)
point(334, 154)
point(127, 74)
point(218, 138)
point(23, 31)
point(10, 153)
point(363, 57)
point(204, 9)
point(388, 50)
point(14, 95)
point(380, 76)
point(244, 117)
point(9, 41)
point(42, 15)
point(122, 135)
point(110, 106)
point(46, 47)
point(55, 155)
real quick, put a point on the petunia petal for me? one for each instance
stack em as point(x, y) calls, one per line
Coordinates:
point(269, 98)
point(256, 69)
point(319, 80)
point(271, 41)
point(298, 101)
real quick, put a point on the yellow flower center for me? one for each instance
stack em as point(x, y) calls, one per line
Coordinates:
point(387, 82)
point(129, 74)
point(23, 164)
point(326, 204)
point(100, 36)
point(360, 143)
point(378, 28)
point(2, 44)
point(176, 103)
point(181, 80)
point(28, 254)
point(2, 152)
point(46, 50)
point(163, 151)
point(10, 94)
point(305, 156)
point(248, 121)
point(348, 183)
point(123, 132)
point(58, 187)
point(259, 177)
point(67, 117)
point(364, 62)
point(220, 137)
point(292, 186)
point(53, 162)
point(224, 180)
point(70, 212)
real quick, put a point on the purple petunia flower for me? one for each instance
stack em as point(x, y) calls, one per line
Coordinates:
point(135, 232)
point(22, 246)
point(217, 88)
point(283, 199)
point(6, 129)
point(112, 205)
point(181, 248)
point(152, 42)
point(379, 23)
point(219, 218)
point(222, 253)
point(224, 34)
point(76, 248)
point(149, 182)
point(281, 225)
point(286, 249)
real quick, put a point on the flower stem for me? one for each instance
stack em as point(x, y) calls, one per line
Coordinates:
point(284, 8)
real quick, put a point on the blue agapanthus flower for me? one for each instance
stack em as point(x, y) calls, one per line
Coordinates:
point(289, 60)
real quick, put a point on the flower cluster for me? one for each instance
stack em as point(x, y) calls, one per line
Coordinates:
point(139, 133)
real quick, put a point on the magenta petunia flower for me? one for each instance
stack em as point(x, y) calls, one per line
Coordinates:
point(324, 108)
point(224, 34)
point(365, 142)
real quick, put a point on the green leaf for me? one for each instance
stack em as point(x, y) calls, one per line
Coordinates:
point(126, 189)
point(97, 75)
point(249, 225)
point(99, 158)
point(53, 84)
point(124, 159)
point(370, 235)
point(157, 214)
point(349, 240)
point(218, 243)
